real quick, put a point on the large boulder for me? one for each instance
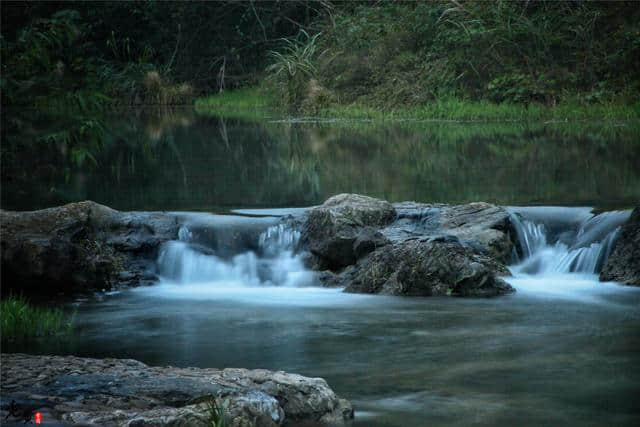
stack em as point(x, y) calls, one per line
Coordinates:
point(122, 392)
point(368, 245)
point(345, 228)
point(428, 267)
point(623, 265)
point(80, 246)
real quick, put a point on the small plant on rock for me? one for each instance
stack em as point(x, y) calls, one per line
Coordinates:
point(216, 413)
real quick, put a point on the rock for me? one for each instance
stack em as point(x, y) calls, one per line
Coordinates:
point(623, 265)
point(124, 392)
point(428, 267)
point(81, 246)
point(484, 227)
point(341, 229)
point(368, 245)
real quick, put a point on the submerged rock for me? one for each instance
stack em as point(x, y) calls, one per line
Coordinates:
point(623, 265)
point(368, 245)
point(81, 246)
point(122, 392)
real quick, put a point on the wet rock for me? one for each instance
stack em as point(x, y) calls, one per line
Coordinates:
point(129, 393)
point(428, 267)
point(481, 226)
point(367, 245)
point(623, 265)
point(340, 230)
point(80, 246)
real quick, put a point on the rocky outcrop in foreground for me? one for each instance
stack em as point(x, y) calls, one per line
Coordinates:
point(120, 392)
point(623, 265)
point(81, 246)
point(370, 246)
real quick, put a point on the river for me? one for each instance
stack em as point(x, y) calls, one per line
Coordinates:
point(562, 350)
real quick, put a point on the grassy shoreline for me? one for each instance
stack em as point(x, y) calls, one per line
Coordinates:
point(255, 103)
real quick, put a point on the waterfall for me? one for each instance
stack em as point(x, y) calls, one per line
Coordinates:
point(279, 238)
point(531, 237)
point(274, 263)
point(578, 244)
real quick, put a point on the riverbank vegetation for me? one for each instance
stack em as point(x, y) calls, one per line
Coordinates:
point(260, 103)
point(459, 61)
point(21, 319)
point(442, 60)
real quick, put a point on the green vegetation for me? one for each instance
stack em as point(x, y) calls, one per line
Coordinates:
point(139, 52)
point(516, 52)
point(20, 319)
point(458, 60)
point(316, 56)
point(247, 103)
point(65, 68)
point(261, 103)
point(215, 413)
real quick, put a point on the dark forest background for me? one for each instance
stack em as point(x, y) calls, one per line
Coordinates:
point(88, 53)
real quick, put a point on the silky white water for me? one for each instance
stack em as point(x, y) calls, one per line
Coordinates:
point(561, 251)
point(200, 269)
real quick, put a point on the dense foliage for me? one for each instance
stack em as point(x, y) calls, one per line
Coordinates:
point(133, 51)
point(518, 52)
point(383, 52)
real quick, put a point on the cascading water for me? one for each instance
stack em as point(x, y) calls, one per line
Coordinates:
point(581, 246)
point(561, 250)
point(272, 263)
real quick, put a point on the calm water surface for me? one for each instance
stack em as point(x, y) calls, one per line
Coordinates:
point(177, 160)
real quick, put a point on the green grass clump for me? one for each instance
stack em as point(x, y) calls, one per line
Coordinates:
point(19, 319)
point(249, 103)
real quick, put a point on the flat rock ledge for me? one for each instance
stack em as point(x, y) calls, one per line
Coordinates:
point(123, 392)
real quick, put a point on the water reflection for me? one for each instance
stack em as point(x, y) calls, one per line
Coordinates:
point(176, 160)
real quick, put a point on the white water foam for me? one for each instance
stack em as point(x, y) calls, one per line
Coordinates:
point(182, 262)
point(560, 256)
point(275, 296)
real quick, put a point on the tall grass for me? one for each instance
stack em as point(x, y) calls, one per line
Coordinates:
point(20, 319)
point(293, 67)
